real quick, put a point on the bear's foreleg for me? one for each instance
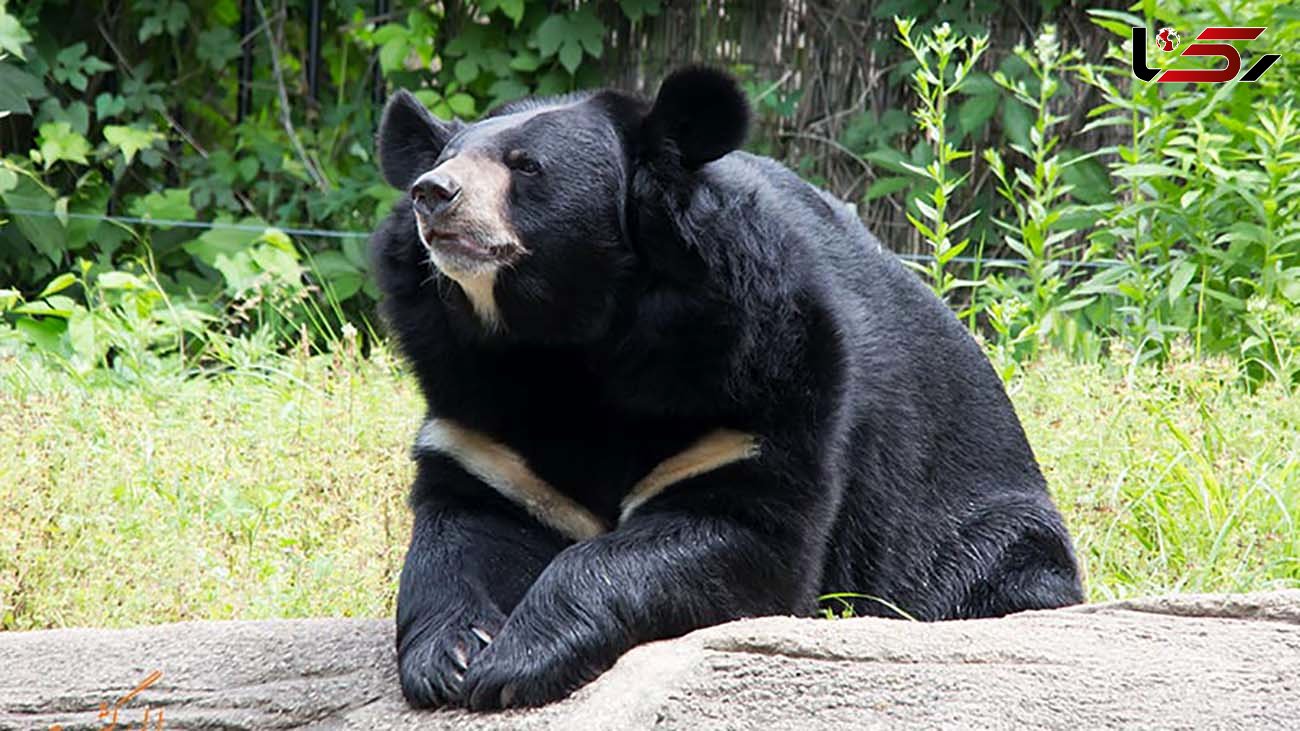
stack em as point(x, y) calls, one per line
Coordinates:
point(464, 573)
point(665, 571)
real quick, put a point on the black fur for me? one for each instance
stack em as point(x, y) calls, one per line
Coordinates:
point(676, 118)
point(414, 138)
point(666, 296)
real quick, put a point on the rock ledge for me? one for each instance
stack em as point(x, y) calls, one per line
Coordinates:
point(1191, 661)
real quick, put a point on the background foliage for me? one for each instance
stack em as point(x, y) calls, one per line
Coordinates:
point(1053, 200)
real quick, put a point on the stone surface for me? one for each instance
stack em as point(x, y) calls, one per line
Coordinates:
point(1173, 662)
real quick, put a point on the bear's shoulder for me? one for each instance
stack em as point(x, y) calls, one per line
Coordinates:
point(759, 221)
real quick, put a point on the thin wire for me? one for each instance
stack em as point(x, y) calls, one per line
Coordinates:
point(331, 234)
point(172, 223)
point(1099, 264)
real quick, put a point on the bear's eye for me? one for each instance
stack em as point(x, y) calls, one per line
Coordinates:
point(523, 162)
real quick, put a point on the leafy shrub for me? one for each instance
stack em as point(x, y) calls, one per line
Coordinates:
point(1207, 219)
point(131, 110)
point(944, 64)
point(1200, 240)
point(1181, 227)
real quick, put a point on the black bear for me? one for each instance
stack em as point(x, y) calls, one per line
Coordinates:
point(671, 384)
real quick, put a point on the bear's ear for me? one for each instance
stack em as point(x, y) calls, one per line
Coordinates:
point(410, 139)
point(702, 111)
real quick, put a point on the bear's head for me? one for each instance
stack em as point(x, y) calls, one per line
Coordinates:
point(533, 210)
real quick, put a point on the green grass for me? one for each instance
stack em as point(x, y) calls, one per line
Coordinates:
point(1171, 480)
point(271, 493)
point(279, 492)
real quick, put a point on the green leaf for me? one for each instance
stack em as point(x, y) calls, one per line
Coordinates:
point(75, 114)
point(1116, 21)
point(389, 32)
point(588, 30)
point(554, 81)
point(276, 261)
point(1250, 233)
point(354, 250)
point(976, 111)
point(12, 35)
point(553, 32)
point(46, 333)
point(1182, 276)
point(16, 87)
point(168, 17)
point(237, 270)
point(927, 210)
point(58, 141)
point(1076, 304)
point(73, 66)
point(131, 140)
point(887, 186)
point(947, 255)
point(346, 285)
point(428, 97)
point(466, 70)
point(513, 9)
point(342, 276)
point(329, 264)
point(1236, 303)
point(925, 230)
point(280, 240)
point(1145, 170)
point(170, 204)
point(506, 90)
point(979, 84)
point(58, 284)
point(12, 103)
point(1291, 288)
point(247, 168)
point(1122, 30)
point(461, 104)
point(1016, 120)
point(635, 10)
point(120, 280)
point(392, 55)
point(570, 56)
point(55, 306)
point(888, 158)
point(217, 47)
point(43, 232)
point(525, 61)
point(81, 336)
point(108, 106)
point(1088, 180)
point(218, 241)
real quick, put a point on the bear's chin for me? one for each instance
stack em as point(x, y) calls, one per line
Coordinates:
point(456, 254)
point(460, 256)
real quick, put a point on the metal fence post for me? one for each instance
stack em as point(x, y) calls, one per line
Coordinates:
point(379, 93)
point(313, 50)
point(245, 93)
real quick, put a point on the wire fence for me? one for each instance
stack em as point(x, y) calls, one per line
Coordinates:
point(334, 234)
point(174, 223)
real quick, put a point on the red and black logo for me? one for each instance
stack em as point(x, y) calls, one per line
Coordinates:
point(1167, 38)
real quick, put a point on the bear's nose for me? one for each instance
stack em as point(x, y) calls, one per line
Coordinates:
point(434, 193)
